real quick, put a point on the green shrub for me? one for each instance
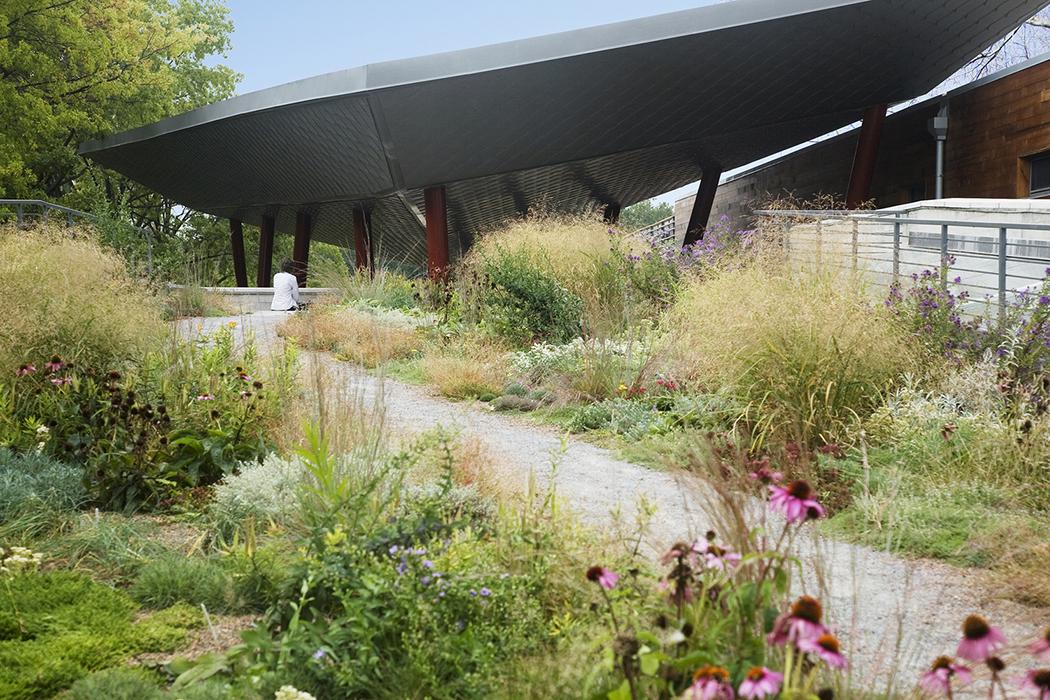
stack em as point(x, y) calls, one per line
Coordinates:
point(117, 684)
point(56, 628)
point(36, 481)
point(179, 418)
point(172, 579)
point(525, 303)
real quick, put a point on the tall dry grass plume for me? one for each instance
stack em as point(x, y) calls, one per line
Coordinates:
point(73, 298)
point(358, 336)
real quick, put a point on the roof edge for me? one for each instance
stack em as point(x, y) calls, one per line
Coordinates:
point(476, 60)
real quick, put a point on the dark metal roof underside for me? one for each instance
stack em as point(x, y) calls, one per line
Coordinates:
point(611, 114)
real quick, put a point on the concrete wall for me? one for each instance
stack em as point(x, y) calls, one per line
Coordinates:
point(246, 300)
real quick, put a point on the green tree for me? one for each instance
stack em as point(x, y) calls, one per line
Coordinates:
point(644, 214)
point(73, 70)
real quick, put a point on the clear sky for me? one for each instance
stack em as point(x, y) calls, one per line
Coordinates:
point(277, 41)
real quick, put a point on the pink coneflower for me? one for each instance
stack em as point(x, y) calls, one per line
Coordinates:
point(796, 502)
point(244, 376)
point(764, 474)
point(761, 683)
point(54, 364)
point(938, 680)
point(603, 577)
point(718, 558)
point(979, 640)
point(25, 369)
point(801, 621)
point(827, 647)
point(679, 550)
point(1040, 648)
point(61, 381)
point(205, 397)
point(712, 683)
point(1038, 682)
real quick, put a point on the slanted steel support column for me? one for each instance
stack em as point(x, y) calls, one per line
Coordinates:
point(702, 205)
point(612, 214)
point(301, 246)
point(866, 157)
point(240, 271)
point(363, 248)
point(264, 275)
point(436, 213)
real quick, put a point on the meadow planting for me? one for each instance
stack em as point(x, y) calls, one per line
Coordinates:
point(194, 515)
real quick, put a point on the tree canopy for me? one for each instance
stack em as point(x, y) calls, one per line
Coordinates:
point(73, 70)
point(644, 214)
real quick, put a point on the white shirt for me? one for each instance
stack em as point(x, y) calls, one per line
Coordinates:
point(285, 292)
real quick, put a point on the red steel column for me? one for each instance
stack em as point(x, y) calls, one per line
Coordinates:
point(264, 275)
point(301, 246)
point(240, 271)
point(436, 212)
point(363, 249)
point(703, 204)
point(866, 157)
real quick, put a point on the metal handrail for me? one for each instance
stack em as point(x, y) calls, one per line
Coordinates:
point(661, 231)
point(46, 208)
point(898, 219)
point(20, 205)
point(940, 240)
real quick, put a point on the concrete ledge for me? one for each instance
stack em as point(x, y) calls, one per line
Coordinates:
point(246, 300)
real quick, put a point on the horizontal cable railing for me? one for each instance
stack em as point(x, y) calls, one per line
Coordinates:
point(662, 232)
point(993, 260)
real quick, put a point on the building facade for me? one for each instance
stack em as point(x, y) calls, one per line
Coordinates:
point(998, 146)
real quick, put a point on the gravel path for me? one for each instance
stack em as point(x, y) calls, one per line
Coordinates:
point(889, 611)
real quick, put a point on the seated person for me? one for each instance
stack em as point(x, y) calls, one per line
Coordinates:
point(285, 289)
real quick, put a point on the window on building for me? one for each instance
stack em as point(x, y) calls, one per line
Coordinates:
point(1040, 175)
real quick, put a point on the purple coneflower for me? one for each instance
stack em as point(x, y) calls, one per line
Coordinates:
point(205, 397)
point(938, 680)
point(718, 558)
point(54, 364)
point(761, 683)
point(60, 381)
point(979, 639)
point(827, 647)
point(802, 621)
point(1038, 682)
point(1040, 648)
point(796, 502)
point(679, 550)
point(25, 370)
point(712, 683)
point(603, 577)
point(764, 474)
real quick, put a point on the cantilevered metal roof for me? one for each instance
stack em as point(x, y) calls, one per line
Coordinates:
point(607, 115)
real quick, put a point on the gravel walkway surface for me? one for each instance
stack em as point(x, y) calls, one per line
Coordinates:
point(885, 608)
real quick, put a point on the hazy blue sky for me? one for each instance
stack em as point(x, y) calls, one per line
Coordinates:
point(277, 41)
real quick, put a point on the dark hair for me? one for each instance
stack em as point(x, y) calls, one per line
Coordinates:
point(287, 266)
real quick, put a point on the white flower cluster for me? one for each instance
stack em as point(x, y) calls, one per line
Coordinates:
point(19, 560)
point(290, 692)
point(544, 358)
point(43, 433)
